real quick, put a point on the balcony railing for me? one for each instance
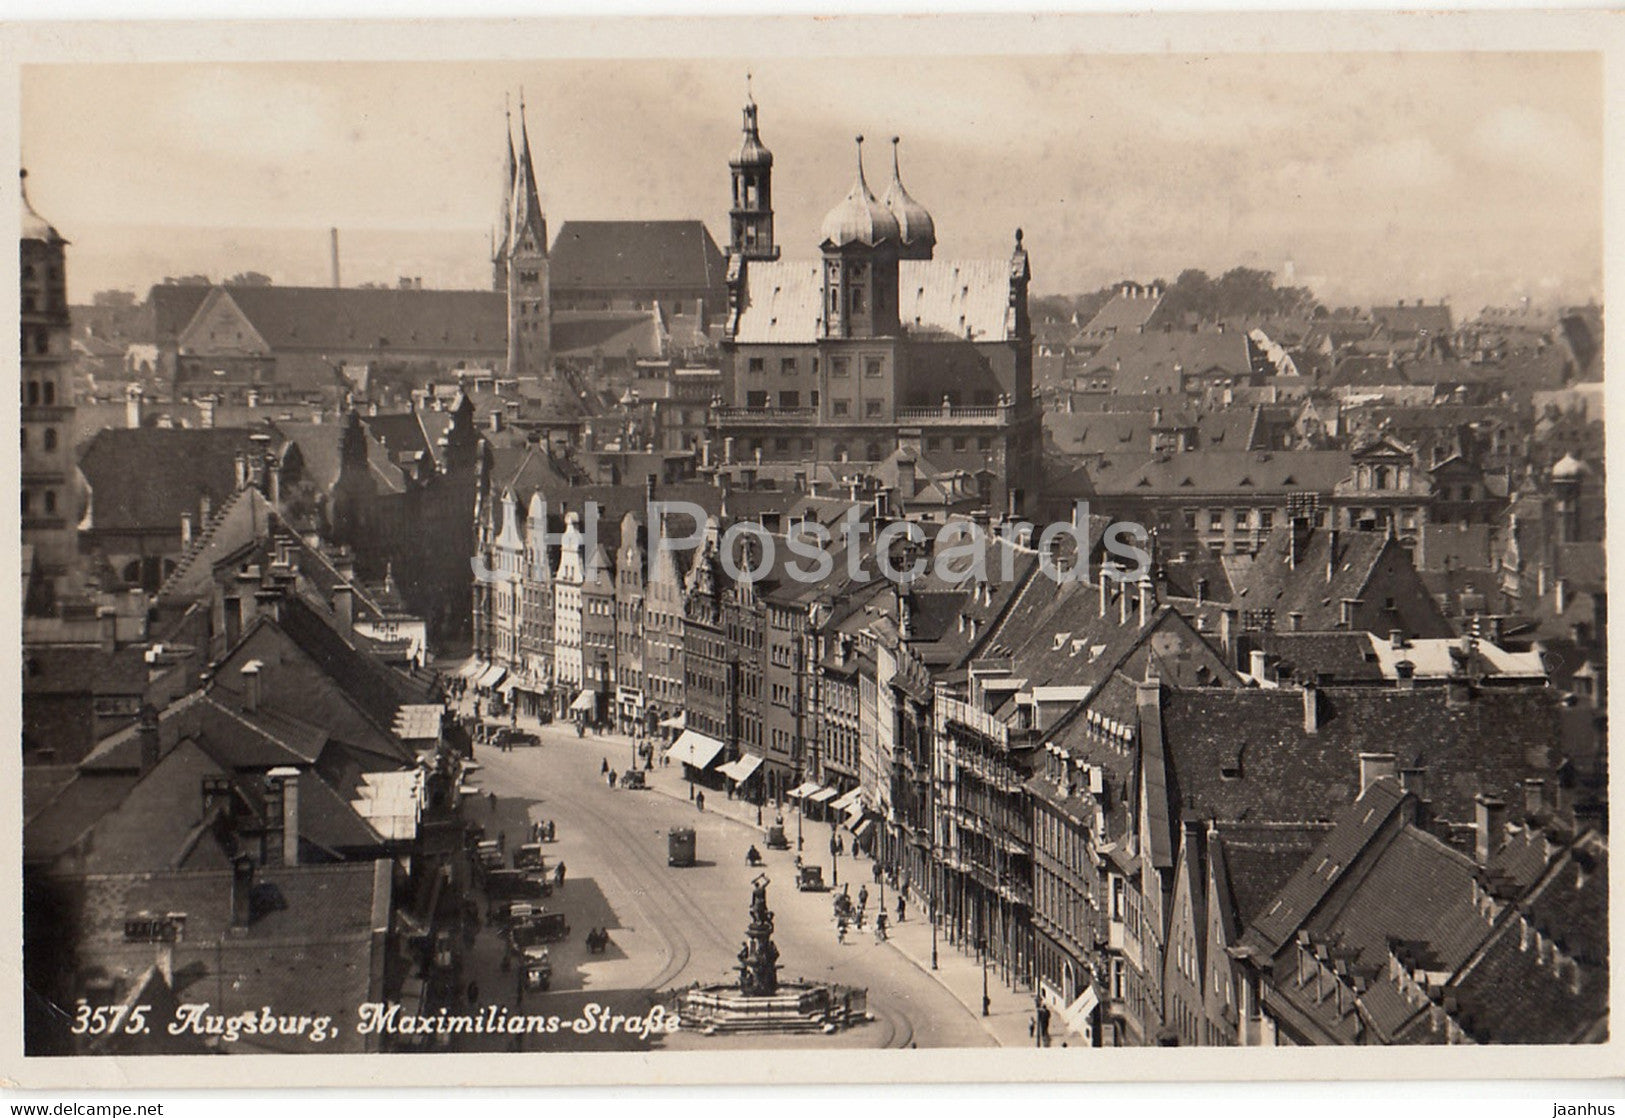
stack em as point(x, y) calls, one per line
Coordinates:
point(770, 415)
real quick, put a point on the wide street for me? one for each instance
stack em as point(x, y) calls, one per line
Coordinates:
point(670, 927)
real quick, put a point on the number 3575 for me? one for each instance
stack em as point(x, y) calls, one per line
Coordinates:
point(108, 1019)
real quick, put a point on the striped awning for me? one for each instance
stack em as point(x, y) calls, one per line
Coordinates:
point(509, 684)
point(801, 790)
point(740, 771)
point(822, 795)
point(847, 800)
point(491, 676)
point(864, 826)
point(694, 748)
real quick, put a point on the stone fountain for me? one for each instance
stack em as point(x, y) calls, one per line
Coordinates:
point(759, 1001)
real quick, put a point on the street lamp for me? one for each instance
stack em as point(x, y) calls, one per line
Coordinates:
point(981, 949)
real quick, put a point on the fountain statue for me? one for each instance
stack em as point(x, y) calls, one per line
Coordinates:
point(759, 958)
point(759, 1001)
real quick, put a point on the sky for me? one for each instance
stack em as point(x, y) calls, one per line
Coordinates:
point(1475, 177)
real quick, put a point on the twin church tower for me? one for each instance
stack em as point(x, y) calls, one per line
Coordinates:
point(520, 248)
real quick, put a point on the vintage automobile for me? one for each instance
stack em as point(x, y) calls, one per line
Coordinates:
point(537, 971)
point(538, 926)
point(489, 854)
point(680, 846)
point(810, 879)
point(774, 837)
point(510, 884)
point(634, 779)
point(529, 857)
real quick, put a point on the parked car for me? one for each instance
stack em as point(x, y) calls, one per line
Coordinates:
point(634, 779)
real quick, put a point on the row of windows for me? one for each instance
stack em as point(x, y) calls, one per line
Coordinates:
point(47, 503)
point(48, 441)
point(40, 393)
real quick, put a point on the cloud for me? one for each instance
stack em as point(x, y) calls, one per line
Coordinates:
point(1522, 135)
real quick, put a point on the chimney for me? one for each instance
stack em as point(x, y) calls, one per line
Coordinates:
point(242, 891)
point(205, 412)
point(1331, 553)
point(240, 471)
point(273, 479)
point(132, 406)
point(1101, 578)
point(205, 509)
point(251, 686)
point(1227, 634)
point(496, 421)
point(1201, 590)
point(727, 450)
point(1491, 828)
point(286, 778)
point(1375, 767)
point(1534, 798)
point(1311, 707)
point(107, 628)
point(1298, 542)
point(186, 530)
point(1404, 675)
point(1148, 600)
point(344, 607)
point(905, 477)
point(1396, 639)
point(1259, 664)
point(147, 732)
point(333, 240)
point(1561, 591)
point(1415, 782)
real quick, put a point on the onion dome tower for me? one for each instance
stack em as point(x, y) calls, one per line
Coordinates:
point(860, 239)
point(750, 217)
point(917, 232)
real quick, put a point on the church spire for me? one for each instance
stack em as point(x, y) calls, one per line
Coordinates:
point(499, 249)
point(750, 217)
point(530, 331)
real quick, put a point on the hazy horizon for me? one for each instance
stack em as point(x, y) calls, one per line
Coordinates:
point(1472, 177)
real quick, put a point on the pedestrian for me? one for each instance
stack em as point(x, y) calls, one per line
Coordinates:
point(874, 872)
point(880, 927)
point(901, 903)
point(493, 803)
point(558, 876)
point(1043, 1025)
point(863, 896)
point(603, 766)
point(612, 778)
point(473, 993)
point(699, 800)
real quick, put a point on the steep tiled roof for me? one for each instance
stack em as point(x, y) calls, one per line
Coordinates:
point(612, 334)
point(1203, 472)
point(635, 256)
point(1328, 571)
point(312, 949)
point(1156, 360)
point(955, 298)
point(1490, 743)
point(329, 319)
point(1402, 321)
point(144, 478)
point(1260, 860)
point(1125, 311)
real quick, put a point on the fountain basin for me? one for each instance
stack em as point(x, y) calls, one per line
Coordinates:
point(796, 1007)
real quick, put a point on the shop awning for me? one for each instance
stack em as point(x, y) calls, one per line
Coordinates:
point(473, 669)
point(472, 766)
point(801, 790)
point(847, 800)
point(1077, 1014)
point(491, 676)
point(865, 825)
point(823, 795)
point(740, 771)
point(676, 721)
point(586, 703)
point(509, 684)
point(855, 811)
point(694, 748)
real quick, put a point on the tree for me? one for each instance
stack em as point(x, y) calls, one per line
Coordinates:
point(249, 279)
point(188, 281)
